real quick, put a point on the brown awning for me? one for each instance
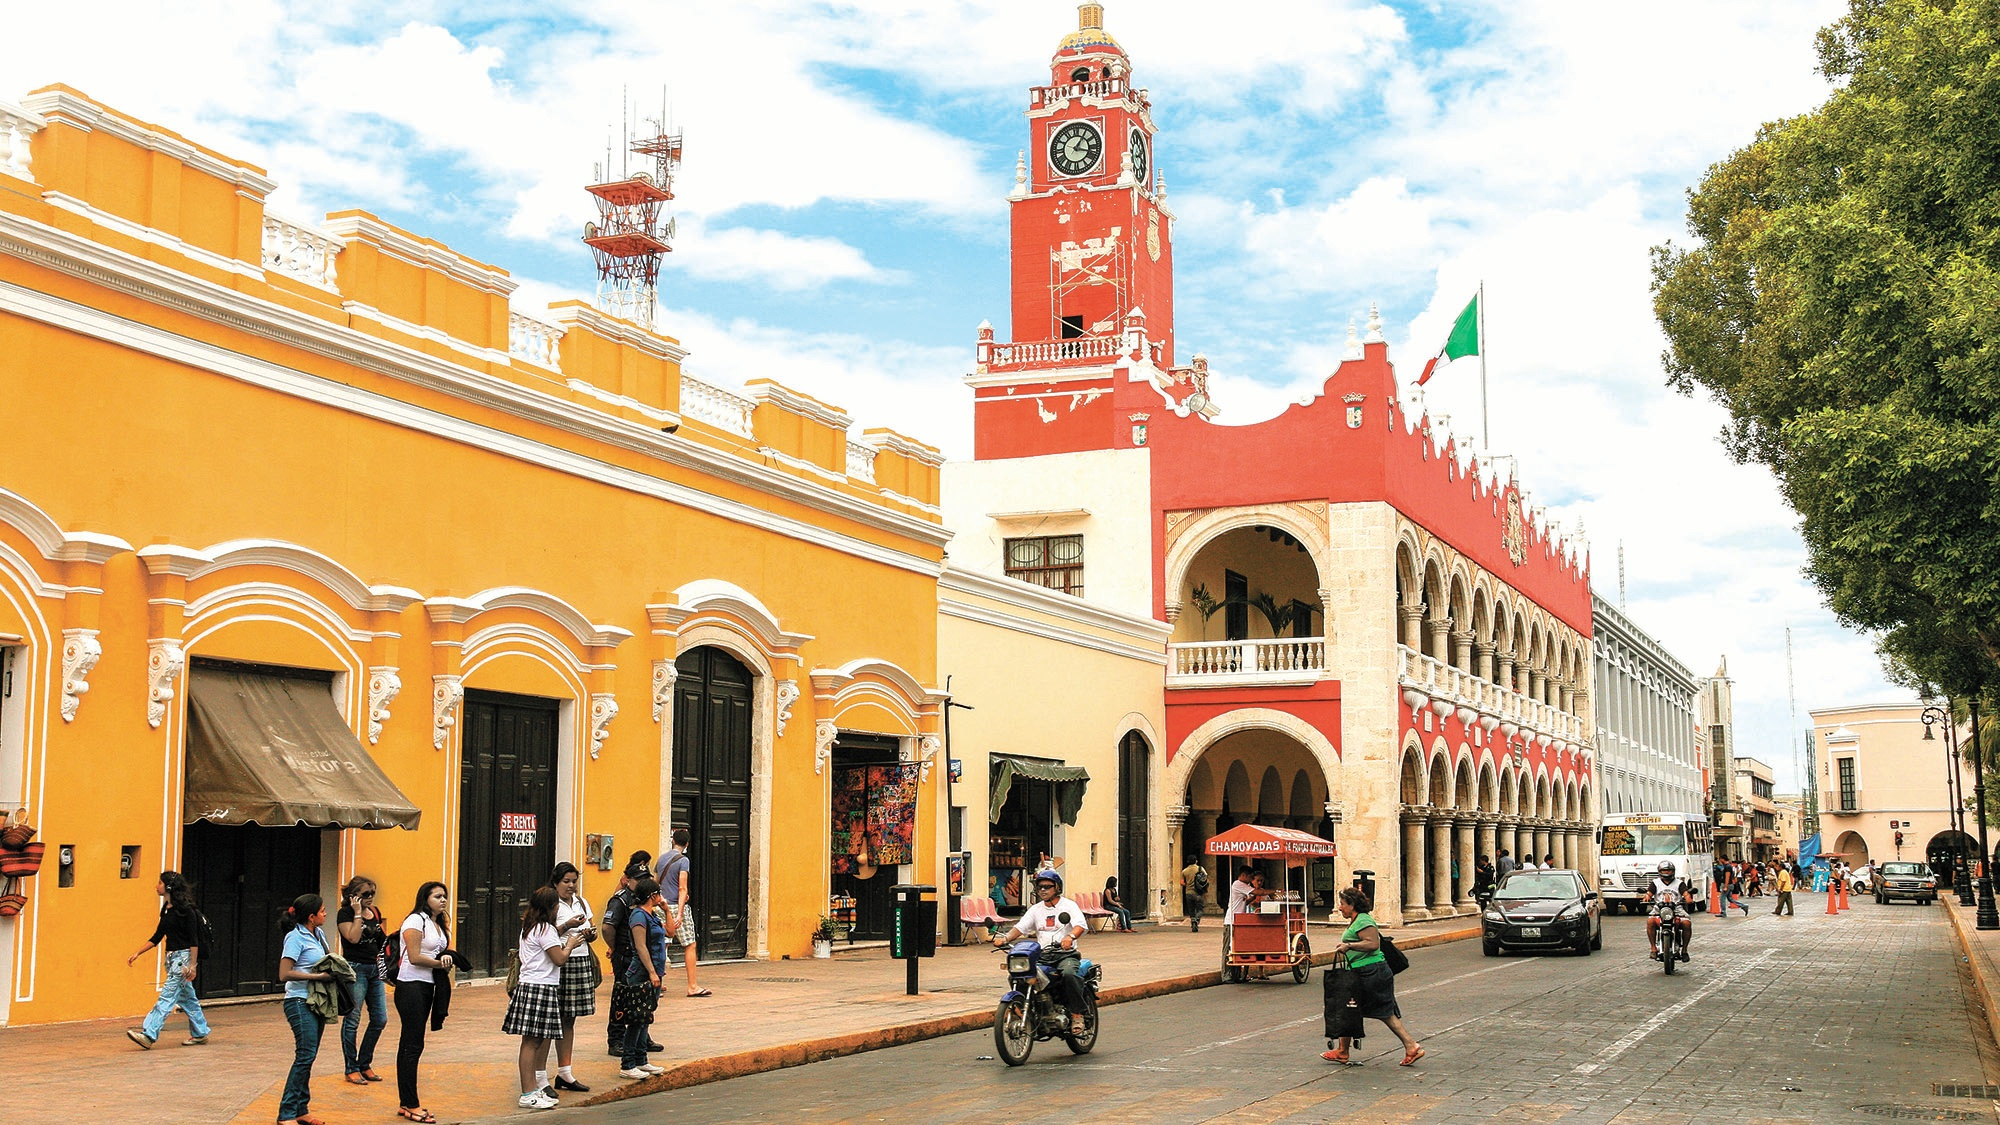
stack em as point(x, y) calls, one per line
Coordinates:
point(275, 751)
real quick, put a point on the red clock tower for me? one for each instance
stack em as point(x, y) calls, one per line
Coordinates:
point(1093, 265)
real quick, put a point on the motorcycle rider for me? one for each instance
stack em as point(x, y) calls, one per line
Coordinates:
point(1044, 922)
point(1668, 893)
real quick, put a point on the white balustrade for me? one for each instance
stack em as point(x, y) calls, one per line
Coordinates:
point(860, 461)
point(1278, 660)
point(534, 341)
point(704, 402)
point(17, 128)
point(300, 251)
point(1107, 88)
point(1054, 351)
point(1443, 681)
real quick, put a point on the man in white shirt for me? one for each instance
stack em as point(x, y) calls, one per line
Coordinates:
point(1669, 895)
point(1055, 922)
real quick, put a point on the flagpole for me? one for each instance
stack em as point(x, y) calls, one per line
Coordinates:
point(1485, 429)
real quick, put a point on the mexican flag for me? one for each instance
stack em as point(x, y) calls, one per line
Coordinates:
point(1463, 341)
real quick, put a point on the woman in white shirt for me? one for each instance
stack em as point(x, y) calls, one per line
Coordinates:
point(535, 1012)
point(424, 942)
point(579, 977)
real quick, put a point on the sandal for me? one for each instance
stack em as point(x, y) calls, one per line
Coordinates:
point(1412, 1055)
point(408, 1114)
point(308, 1119)
point(1334, 1057)
point(700, 992)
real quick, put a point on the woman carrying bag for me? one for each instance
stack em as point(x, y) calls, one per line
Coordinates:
point(1374, 983)
point(362, 937)
point(180, 927)
point(305, 947)
point(425, 953)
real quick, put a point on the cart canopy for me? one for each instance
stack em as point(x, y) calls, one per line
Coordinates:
point(1261, 841)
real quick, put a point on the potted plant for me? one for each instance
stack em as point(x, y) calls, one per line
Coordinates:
point(822, 938)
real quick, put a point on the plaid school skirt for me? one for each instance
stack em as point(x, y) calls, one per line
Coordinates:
point(579, 995)
point(535, 1011)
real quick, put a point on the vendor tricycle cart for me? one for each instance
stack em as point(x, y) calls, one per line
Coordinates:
point(1272, 935)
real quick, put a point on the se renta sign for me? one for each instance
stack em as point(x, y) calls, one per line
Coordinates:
point(517, 830)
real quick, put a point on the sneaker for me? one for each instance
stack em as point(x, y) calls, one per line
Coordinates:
point(649, 1068)
point(195, 1041)
point(635, 1072)
point(139, 1036)
point(536, 1100)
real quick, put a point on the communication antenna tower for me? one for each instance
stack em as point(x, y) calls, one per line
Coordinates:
point(628, 238)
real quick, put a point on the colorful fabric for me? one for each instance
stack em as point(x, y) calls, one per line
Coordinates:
point(874, 811)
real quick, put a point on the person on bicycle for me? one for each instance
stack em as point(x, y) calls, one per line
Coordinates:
point(1055, 922)
point(1667, 894)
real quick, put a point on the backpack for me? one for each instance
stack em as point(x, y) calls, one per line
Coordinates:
point(1201, 880)
point(389, 961)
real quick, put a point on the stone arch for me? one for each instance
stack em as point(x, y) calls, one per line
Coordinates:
point(1413, 785)
point(1237, 800)
point(1440, 777)
point(1464, 796)
point(1306, 803)
point(1460, 598)
point(1435, 610)
point(1202, 790)
point(1482, 616)
point(1509, 804)
point(1489, 786)
point(1853, 847)
point(1271, 804)
point(1249, 718)
point(1186, 539)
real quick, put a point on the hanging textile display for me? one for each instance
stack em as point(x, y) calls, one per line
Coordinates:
point(874, 819)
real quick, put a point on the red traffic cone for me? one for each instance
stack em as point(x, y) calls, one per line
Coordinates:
point(1832, 900)
point(1843, 895)
point(1714, 897)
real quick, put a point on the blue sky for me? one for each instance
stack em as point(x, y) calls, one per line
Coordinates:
point(843, 225)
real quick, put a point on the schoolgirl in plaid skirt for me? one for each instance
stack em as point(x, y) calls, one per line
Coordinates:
point(535, 1012)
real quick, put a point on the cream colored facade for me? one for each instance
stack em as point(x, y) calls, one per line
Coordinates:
point(1875, 767)
point(1754, 798)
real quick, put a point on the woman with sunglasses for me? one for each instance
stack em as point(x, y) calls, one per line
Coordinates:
point(362, 937)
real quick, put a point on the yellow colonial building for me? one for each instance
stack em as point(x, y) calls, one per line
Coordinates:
point(317, 557)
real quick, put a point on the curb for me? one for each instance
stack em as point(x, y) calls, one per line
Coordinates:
point(1979, 977)
point(758, 1060)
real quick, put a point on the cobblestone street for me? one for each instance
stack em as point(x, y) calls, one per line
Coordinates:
point(1791, 1020)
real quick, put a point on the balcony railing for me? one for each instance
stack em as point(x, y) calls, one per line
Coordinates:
point(300, 251)
point(534, 341)
point(705, 402)
point(860, 461)
point(17, 130)
point(1439, 680)
point(1049, 353)
point(1106, 88)
point(1283, 660)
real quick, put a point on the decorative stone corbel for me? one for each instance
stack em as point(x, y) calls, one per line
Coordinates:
point(927, 757)
point(788, 694)
point(664, 677)
point(81, 652)
point(164, 661)
point(447, 692)
point(603, 709)
point(824, 732)
point(384, 685)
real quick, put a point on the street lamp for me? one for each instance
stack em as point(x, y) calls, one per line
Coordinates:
point(1988, 917)
point(1961, 875)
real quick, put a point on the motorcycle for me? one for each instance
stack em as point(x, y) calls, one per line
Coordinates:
point(1030, 1013)
point(1673, 944)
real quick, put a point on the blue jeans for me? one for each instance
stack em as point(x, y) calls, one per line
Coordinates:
point(306, 1030)
point(1123, 915)
point(176, 991)
point(368, 992)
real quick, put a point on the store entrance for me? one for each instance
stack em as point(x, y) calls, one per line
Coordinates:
point(711, 782)
point(1022, 834)
point(243, 875)
point(873, 827)
point(506, 820)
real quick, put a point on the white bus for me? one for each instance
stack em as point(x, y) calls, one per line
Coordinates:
point(1630, 847)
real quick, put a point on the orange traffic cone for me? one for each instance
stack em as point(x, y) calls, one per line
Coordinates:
point(1843, 895)
point(1714, 898)
point(1832, 900)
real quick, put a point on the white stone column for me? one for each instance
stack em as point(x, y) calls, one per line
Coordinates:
point(1414, 895)
point(1488, 844)
point(1541, 838)
point(1464, 826)
point(1440, 859)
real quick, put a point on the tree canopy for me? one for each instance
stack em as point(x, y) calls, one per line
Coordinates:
point(1841, 298)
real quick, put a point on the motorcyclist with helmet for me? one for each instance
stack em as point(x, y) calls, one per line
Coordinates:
point(1055, 922)
point(1668, 894)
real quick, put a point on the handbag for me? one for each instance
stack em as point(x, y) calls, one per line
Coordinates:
point(18, 831)
point(513, 972)
point(596, 965)
point(21, 863)
point(1397, 959)
point(1343, 1017)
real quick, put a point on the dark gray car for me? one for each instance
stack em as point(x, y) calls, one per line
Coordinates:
point(1543, 910)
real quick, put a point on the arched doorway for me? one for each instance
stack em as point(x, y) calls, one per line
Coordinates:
point(1851, 847)
point(1233, 769)
point(1135, 774)
point(1947, 850)
point(711, 795)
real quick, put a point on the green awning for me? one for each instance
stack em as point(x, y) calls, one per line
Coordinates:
point(1068, 780)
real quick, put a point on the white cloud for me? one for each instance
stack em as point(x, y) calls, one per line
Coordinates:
point(1378, 231)
point(781, 261)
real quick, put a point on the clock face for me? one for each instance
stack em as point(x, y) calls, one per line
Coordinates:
point(1136, 145)
point(1076, 148)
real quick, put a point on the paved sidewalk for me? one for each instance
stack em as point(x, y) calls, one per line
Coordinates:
point(760, 1015)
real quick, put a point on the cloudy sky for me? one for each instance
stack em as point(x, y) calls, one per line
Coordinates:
point(843, 227)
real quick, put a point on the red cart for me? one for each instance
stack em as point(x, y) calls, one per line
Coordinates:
point(1273, 935)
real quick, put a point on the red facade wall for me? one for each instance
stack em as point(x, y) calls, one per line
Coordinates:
point(1316, 703)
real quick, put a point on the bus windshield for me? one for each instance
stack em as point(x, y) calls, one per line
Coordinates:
point(1644, 839)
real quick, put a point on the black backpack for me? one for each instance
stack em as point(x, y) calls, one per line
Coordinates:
point(1201, 880)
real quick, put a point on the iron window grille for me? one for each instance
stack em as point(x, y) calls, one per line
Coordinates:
point(1052, 561)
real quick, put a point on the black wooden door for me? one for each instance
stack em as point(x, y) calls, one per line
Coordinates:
point(712, 796)
point(1134, 825)
point(508, 770)
point(243, 875)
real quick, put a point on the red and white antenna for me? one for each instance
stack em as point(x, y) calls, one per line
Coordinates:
point(628, 239)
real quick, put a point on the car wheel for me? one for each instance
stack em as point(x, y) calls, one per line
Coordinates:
point(1597, 939)
point(1490, 948)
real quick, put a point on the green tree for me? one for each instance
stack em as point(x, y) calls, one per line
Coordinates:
point(1841, 298)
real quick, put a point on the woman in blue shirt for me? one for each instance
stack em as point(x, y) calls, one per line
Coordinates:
point(304, 948)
